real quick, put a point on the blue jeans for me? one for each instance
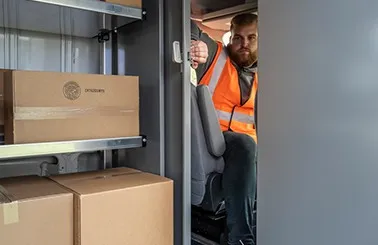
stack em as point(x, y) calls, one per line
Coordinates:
point(239, 185)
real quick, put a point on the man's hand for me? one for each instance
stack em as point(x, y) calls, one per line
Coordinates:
point(198, 53)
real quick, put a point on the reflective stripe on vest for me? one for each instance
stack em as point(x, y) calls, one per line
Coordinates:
point(218, 69)
point(236, 116)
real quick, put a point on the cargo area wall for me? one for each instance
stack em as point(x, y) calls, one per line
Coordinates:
point(30, 50)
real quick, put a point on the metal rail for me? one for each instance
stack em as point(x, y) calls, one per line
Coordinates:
point(97, 6)
point(53, 148)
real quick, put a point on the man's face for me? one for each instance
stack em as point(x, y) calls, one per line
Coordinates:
point(243, 45)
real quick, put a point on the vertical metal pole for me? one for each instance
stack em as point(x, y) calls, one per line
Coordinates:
point(114, 42)
point(162, 97)
point(186, 127)
point(107, 155)
point(103, 47)
point(103, 70)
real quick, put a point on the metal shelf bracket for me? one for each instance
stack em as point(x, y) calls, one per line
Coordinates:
point(103, 35)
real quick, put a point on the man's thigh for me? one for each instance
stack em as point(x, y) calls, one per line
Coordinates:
point(239, 146)
point(240, 161)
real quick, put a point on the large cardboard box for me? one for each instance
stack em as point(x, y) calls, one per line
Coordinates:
point(129, 3)
point(34, 210)
point(53, 106)
point(121, 208)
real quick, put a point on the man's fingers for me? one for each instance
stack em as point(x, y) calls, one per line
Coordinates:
point(198, 46)
point(199, 52)
point(199, 49)
point(195, 65)
point(200, 60)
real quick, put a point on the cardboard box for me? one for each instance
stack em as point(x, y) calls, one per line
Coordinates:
point(53, 106)
point(129, 3)
point(34, 210)
point(121, 208)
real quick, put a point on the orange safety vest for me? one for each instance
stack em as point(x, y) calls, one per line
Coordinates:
point(223, 81)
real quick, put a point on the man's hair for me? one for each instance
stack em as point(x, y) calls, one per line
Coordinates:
point(243, 20)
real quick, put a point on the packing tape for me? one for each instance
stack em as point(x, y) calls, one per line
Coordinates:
point(42, 113)
point(10, 211)
point(10, 207)
point(105, 176)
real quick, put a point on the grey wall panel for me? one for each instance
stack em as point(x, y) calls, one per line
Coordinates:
point(32, 166)
point(145, 50)
point(20, 49)
point(2, 47)
point(318, 139)
point(140, 46)
point(177, 118)
point(32, 16)
point(28, 50)
point(84, 55)
point(35, 52)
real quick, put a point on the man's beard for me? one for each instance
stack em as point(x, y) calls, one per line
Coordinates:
point(243, 61)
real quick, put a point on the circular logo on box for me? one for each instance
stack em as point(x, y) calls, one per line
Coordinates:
point(71, 90)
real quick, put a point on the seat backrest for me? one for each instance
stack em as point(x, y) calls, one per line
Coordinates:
point(207, 142)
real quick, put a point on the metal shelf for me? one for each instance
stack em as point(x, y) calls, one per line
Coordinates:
point(97, 6)
point(79, 18)
point(53, 148)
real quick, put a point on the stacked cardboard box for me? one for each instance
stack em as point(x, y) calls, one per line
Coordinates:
point(53, 106)
point(34, 210)
point(122, 206)
point(117, 206)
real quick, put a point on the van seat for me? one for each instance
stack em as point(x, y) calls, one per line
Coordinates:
point(208, 146)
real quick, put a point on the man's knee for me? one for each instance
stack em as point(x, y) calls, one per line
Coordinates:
point(240, 142)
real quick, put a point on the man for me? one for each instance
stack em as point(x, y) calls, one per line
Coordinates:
point(231, 75)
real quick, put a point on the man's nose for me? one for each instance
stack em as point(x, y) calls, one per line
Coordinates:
point(245, 43)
